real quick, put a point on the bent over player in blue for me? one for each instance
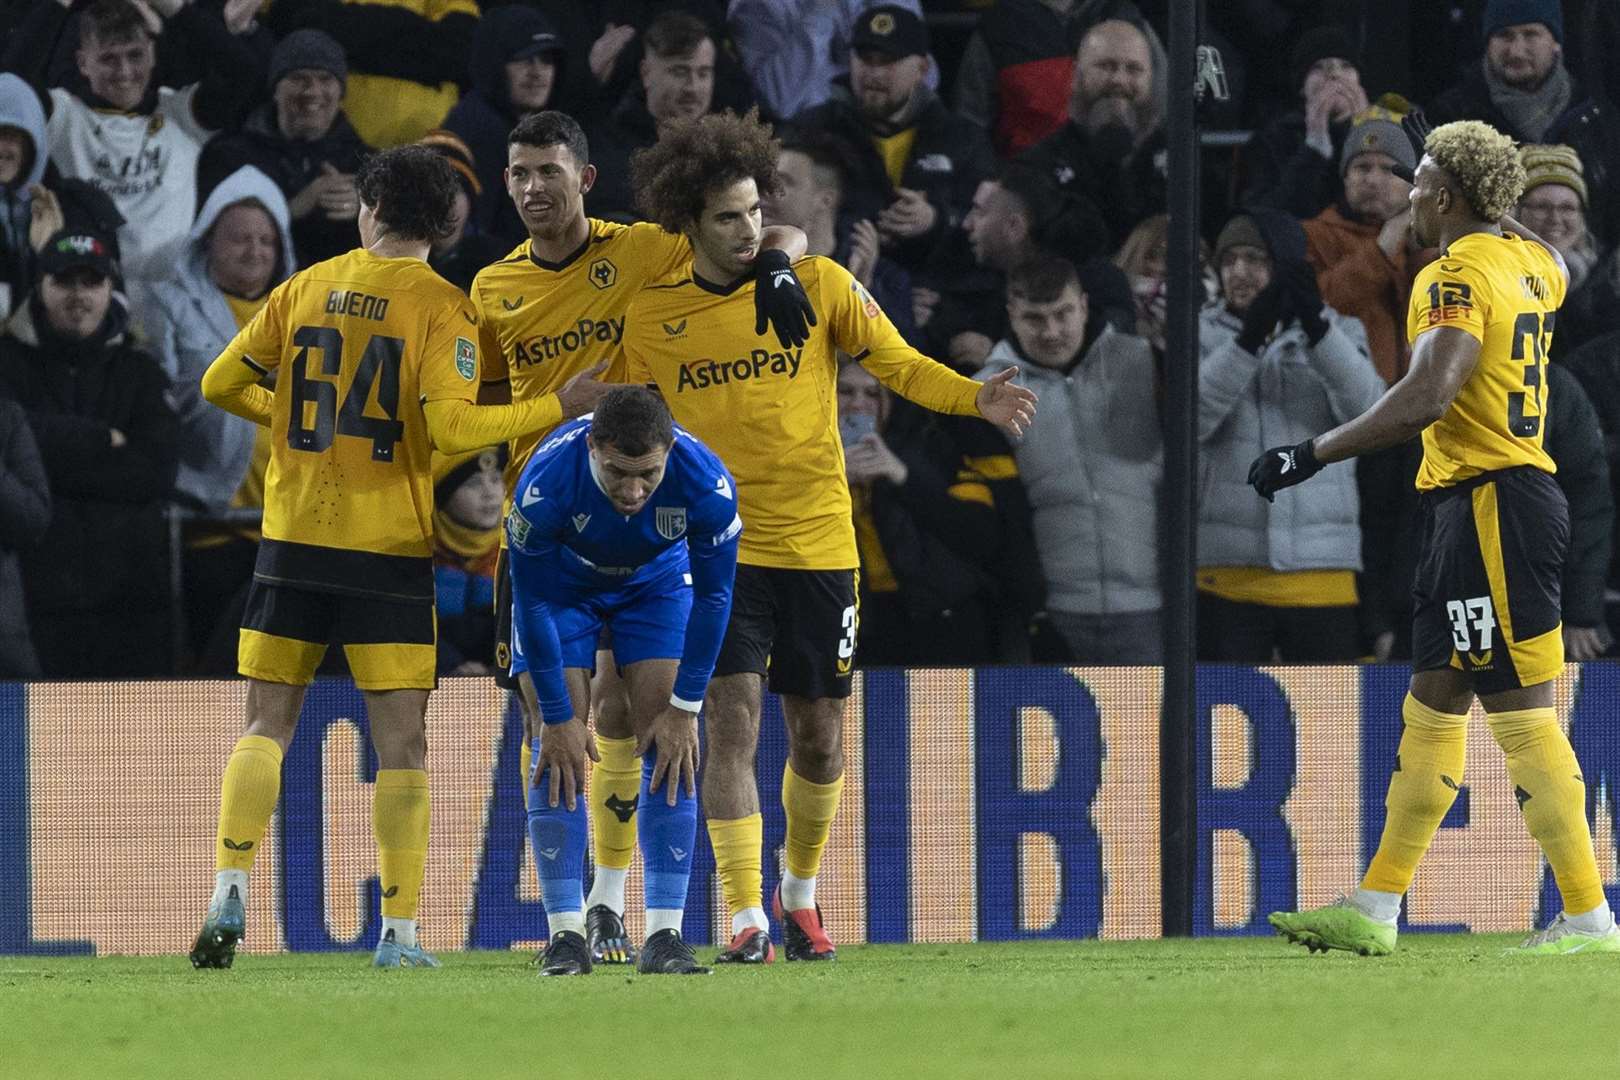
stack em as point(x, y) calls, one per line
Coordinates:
point(621, 520)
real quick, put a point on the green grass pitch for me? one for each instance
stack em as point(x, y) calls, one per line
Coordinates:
point(1441, 1006)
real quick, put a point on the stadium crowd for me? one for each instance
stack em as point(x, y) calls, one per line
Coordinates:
point(993, 173)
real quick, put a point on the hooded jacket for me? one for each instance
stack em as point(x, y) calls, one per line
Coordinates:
point(484, 116)
point(1291, 391)
point(19, 108)
point(191, 323)
point(1092, 467)
point(1359, 280)
point(106, 544)
point(292, 164)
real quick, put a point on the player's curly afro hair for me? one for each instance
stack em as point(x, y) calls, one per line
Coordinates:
point(693, 159)
point(1483, 162)
point(413, 190)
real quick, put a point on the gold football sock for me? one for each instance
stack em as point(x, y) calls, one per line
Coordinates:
point(1552, 796)
point(737, 845)
point(247, 796)
point(399, 817)
point(810, 810)
point(1428, 772)
point(615, 787)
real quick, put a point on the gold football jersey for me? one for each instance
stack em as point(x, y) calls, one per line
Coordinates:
point(550, 321)
point(772, 413)
point(359, 343)
point(1503, 291)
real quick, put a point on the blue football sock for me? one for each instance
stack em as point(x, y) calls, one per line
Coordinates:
point(558, 836)
point(667, 834)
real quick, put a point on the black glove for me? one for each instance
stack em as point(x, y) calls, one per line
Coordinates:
point(1281, 467)
point(1266, 313)
point(1298, 281)
point(780, 301)
point(1416, 127)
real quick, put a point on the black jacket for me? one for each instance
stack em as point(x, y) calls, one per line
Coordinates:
point(107, 541)
point(957, 538)
point(627, 128)
point(25, 513)
point(293, 164)
point(949, 158)
point(1125, 187)
point(1283, 173)
point(484, 116)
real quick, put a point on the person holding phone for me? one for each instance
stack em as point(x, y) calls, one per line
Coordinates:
point(942, 528)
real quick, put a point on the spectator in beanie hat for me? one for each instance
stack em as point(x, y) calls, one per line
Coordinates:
point(1293, 161)
point(1361, 247)
point(1521, 85)
point(461, 253)
point(303, 141)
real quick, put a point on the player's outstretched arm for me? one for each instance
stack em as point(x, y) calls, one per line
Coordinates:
point(1441, 363)
point(231, 382)
point(457, 426)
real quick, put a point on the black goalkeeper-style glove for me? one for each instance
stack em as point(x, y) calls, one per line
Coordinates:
point(1416, 128)
point(1282, 467)
point(780, 301)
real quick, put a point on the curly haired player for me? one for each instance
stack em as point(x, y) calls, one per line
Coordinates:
point(771, 415)
point(1486, 617)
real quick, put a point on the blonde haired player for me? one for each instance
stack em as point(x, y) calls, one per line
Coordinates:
point(376, 360)
point(1486, 617)
point(771, 414)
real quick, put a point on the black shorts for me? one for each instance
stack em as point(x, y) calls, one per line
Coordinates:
point(503, 623)
point(797, 627)
point(390, 645)
point(1487, 595)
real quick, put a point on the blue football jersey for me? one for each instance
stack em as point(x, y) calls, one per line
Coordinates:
point(566, 538)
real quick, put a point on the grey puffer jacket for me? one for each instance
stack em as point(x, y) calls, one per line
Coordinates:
point(1092, 464)
point(1291, 392)
point(191, 323)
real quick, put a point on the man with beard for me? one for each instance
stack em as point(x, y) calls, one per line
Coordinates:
point(916, 162)
point(1361, 248)
point(1112, 152)
point(1521, 86)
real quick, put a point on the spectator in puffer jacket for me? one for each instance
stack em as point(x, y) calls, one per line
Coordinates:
point(1276, 578)
point(239, 249)
point(97, 585)
point(25, 513)
point(516, 64)
point(1091, 467)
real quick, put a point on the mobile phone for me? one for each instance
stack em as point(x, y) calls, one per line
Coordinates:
point(853, 427)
